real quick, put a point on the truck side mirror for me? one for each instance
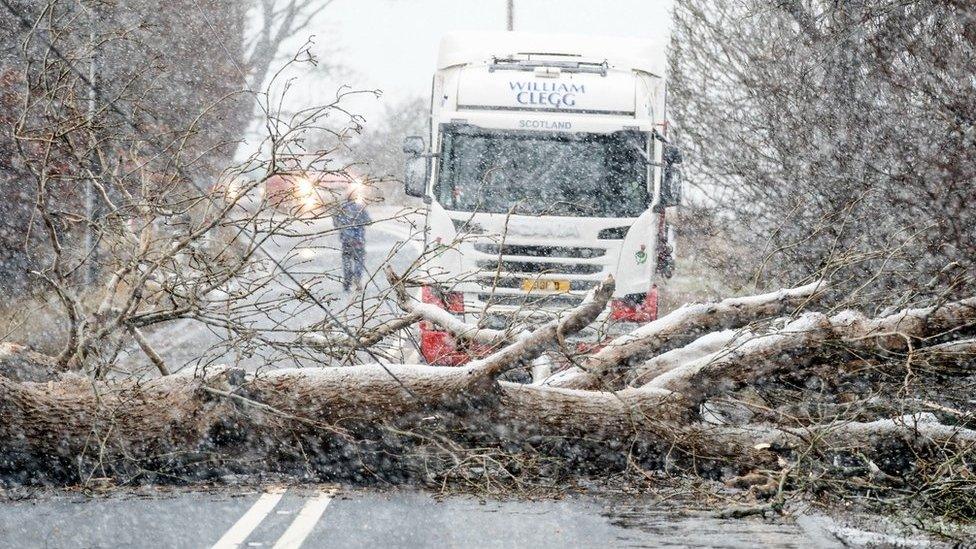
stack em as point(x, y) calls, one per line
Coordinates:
point(413, 145)
point(416, 166)
point(671, 180)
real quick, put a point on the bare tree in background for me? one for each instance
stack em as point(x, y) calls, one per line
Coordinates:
point(835, 135)
point(279, 27)
point(279, 22)
point(380, 146)
point(378, 151)
point(119, 46)
point(173, 240)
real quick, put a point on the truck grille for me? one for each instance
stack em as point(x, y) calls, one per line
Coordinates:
point(531, 300)
point(509, 266)
point(532, 267)
point(540, 251)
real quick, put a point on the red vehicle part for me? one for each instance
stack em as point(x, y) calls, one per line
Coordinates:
point(452, 301)
point(440, 348)
point(630, 309)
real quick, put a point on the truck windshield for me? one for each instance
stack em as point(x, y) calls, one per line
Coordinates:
point(542, 173)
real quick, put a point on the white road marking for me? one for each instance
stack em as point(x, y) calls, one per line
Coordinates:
point(250, 520)
point(302, 526)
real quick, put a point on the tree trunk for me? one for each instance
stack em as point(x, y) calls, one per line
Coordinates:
point(805, 338)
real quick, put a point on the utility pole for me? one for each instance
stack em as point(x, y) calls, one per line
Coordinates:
point(511, 15)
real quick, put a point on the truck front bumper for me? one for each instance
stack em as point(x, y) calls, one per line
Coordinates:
point(441, 348)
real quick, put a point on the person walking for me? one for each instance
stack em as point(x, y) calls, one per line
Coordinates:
point(351, 219)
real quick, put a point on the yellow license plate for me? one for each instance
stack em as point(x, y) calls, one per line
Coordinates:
point(533, 284)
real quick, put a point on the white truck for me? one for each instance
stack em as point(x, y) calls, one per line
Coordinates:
point(548, 168)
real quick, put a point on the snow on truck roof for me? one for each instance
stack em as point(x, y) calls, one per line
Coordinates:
point(459, 48)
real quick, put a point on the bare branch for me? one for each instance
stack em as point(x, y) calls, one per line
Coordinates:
point(684, 323)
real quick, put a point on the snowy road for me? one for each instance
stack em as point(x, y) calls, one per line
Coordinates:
point(186, 343)
point(330, 516)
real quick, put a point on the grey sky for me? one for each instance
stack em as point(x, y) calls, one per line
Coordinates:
point(391, 45)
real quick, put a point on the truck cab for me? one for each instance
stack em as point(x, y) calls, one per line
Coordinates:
point(547, 167)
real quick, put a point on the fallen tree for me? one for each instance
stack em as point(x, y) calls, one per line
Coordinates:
point(350, 421)
point(804, 338)
point(679, 327)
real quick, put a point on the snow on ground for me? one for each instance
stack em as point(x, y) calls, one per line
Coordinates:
point(189, 343)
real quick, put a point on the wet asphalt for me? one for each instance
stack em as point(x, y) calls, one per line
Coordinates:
point(329, 516)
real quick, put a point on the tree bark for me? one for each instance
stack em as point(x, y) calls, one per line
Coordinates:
point(705, 345)
point(18, 363)
point(610, 414)
point(88, 427)
point(919, 430)
point(805, 338)
point(678, 327)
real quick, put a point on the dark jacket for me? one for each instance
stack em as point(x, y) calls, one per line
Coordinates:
point(351, 220)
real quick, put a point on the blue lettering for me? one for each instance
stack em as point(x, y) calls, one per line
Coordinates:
point(554, 94)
